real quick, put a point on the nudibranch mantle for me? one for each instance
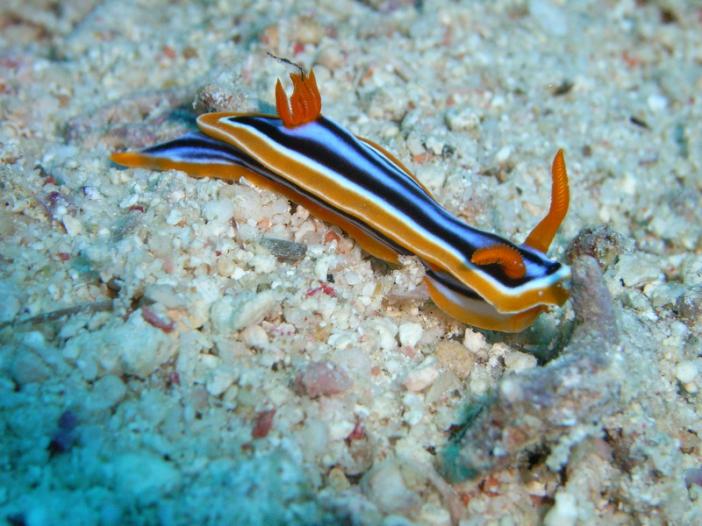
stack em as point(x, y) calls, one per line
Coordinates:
point(477, 277)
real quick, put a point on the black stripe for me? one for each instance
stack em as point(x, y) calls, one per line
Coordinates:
point(198, 147)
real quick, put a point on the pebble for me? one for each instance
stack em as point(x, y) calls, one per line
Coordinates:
point(433, 176)
point(314, 438)
point(144, 475)
point(219, 381)
point(10, 305)
point(233, 313)
point(27, 368)
point(410, 333)
point(307, 30)
point(134, 347)
point(73, 226)
point(689, 305)
point(337, 479)
point(462, 119)
point(264, 263)
point(638, 269)
point(474, 341)
point(165, 295)
point(414, 408)
point(455, 357)
point(686, 371)
point(385, 486)
point(255, 336)
point(142, 348)
point(330, 57)
point(656, 102)
point(385, 331)
point(421, 378)
point(434, 515)
point(549, 16)
point(443, 385)
point(564, 512)
point(322, 378)
point(218, 211)
point(516, 361)
point(480, 381)
point(107, 392)
point(262, 423)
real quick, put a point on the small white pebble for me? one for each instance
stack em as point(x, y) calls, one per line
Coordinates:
point(686, 372)
point(432, 514)
point(419, 379)
point(321, 267)
point(108, 391)
point(503, 154)
point(564, 512)
point(255, 336)
point(340, 429)
point(410, 333)
point(462, 119)
point(480, 380)
point(264, 263)
point(414, 408)
point(313, 437)
point(130, 200)
point(27, 367)
point(657, 102)
point(230, 314)
point(10, 305)
point(174, 217)
point(219, 381)
point(385, 486)
point(516, 361)
point(165, 295)
point(511, 389)
point(638, 269)
point(549, 16)
point(385, 331)
point(474, 341)
point(73, 226)
point(442, 386)
point(352, 278)
point(219, 211)
point(144, 475)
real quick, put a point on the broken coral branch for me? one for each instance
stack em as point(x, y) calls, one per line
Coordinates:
point(544, 404)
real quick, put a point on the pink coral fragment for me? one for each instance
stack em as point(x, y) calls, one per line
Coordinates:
point(322, 378)
point(153, 318)
point(263, 423)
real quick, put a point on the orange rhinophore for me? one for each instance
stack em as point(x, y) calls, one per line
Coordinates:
point(543, 233)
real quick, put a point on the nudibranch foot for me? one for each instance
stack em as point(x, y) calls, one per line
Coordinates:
point(464, 305)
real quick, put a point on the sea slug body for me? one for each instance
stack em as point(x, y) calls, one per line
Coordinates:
point(476, 277)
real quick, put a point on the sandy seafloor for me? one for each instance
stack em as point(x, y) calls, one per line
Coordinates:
point(163, 362)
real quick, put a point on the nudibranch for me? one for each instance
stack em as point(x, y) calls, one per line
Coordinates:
point(476, 277)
